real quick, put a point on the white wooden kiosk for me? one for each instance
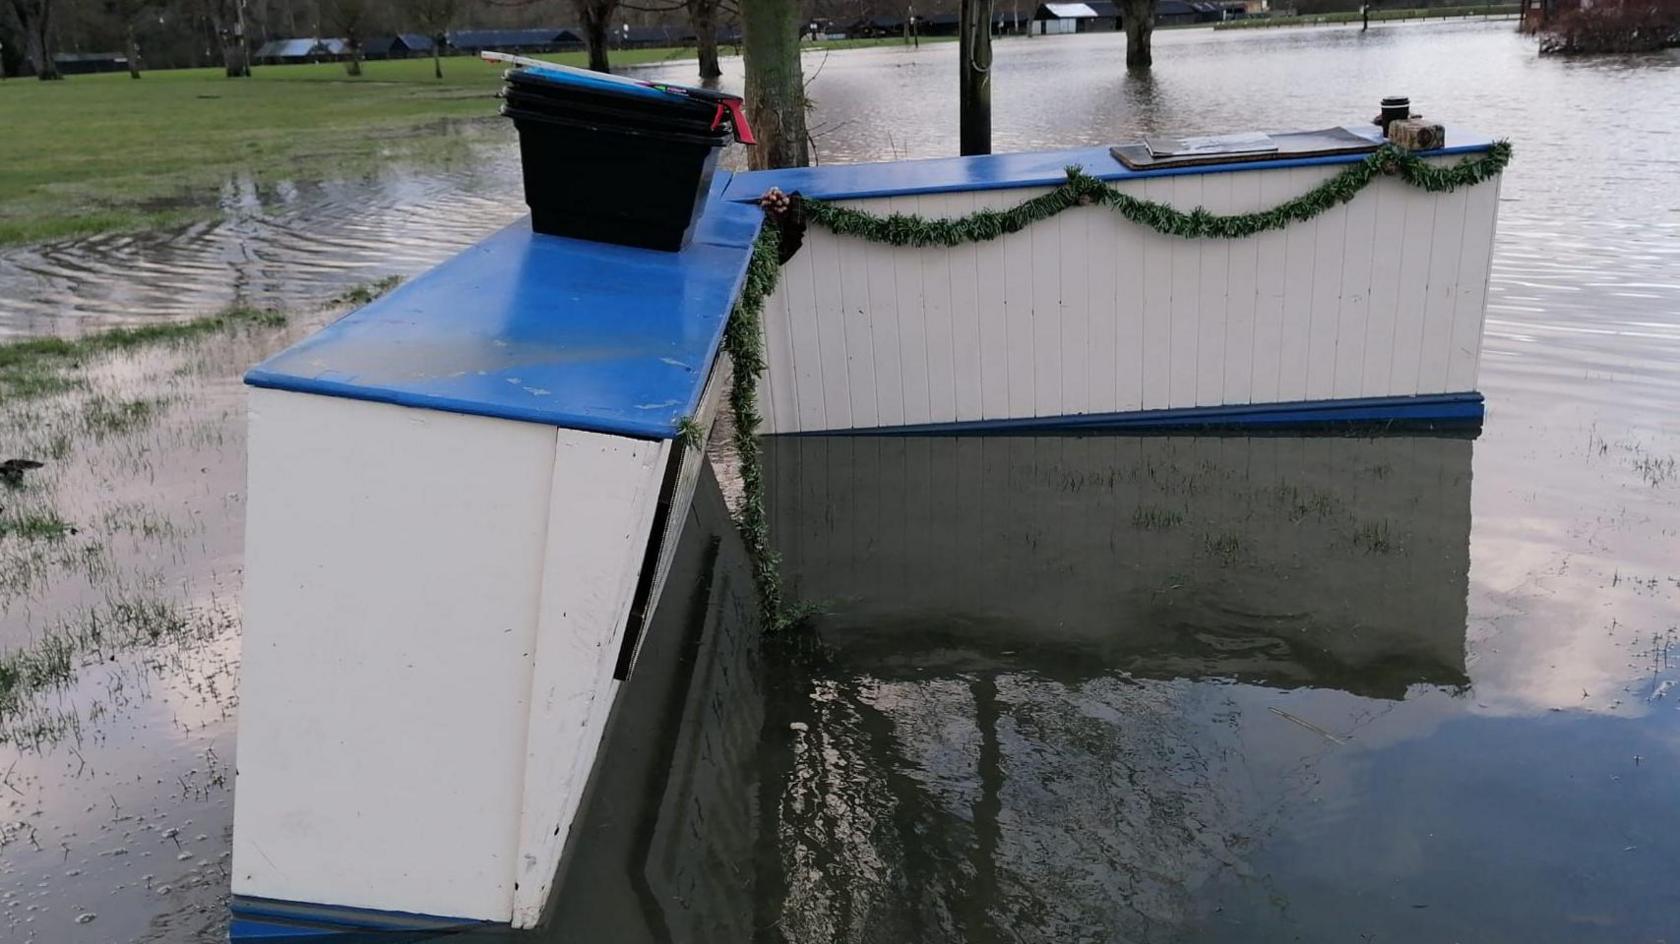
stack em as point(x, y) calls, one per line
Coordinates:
point(459, 494)
point(455, 529)
point(1371, 312)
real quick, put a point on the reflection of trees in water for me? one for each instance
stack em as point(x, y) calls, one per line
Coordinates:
point(1004, 806)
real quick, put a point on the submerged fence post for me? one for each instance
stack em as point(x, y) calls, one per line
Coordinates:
point(974, 53)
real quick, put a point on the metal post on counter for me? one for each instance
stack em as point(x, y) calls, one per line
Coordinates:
point(975, 57)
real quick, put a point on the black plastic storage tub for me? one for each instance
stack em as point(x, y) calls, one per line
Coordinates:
point(612, 161)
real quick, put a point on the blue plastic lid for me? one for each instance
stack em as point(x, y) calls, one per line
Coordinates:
point(596, 82)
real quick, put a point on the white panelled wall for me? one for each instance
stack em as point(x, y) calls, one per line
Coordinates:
point(1088, 313)
point(434, 608)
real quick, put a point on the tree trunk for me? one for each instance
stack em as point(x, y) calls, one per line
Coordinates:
point(437, 60)
point(133, 54)
point(595, 34)
point(235, 58)
point(1139, 19)
point(353, 65)
point(35, 21)
point(702, 16)
point(775, 83)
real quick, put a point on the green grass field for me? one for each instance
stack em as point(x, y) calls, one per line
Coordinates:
point(100, 153)
point(105, 152)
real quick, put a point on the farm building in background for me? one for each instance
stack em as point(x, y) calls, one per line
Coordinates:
point(655, 37)
point(278, 52)
point(87, 63)
point(938, 24)
point(311, 49)
point(1101, 16)
point(1011, 22)
point(544, 39)
point(875, 27)
point(400, 46)
point(1004, 22)
point(1095, 16)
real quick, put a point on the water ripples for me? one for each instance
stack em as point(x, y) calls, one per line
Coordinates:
point(281, 245)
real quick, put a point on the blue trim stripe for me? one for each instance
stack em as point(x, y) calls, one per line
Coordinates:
point(269, 919)
point(1429, 411)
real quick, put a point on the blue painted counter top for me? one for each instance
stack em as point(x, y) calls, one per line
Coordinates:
point(1006, 171)
point(542, 329)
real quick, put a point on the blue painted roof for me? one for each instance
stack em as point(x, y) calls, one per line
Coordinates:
point(300, 48)
point(1006, 171)
point(542, 329)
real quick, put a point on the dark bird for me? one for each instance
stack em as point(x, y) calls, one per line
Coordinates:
point(11, 471)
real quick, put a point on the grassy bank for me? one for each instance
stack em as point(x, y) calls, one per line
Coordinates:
point(1377, 16)
point(104, 152)
point(37, 367)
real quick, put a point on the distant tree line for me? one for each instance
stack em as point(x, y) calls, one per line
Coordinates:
point(168, 34)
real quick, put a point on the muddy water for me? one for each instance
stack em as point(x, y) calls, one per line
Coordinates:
point(271, 245)
point(1164, 689)
point(116, 775)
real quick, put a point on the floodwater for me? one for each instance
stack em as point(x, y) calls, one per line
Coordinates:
point(1151, 689)
point(276, 245)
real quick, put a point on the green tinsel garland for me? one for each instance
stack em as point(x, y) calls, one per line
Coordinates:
point(744, 340)
point(908, 230)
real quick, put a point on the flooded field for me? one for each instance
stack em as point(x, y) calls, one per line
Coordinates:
point(1156, 689)
point(283, 246)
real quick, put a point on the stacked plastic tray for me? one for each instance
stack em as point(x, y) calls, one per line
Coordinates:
point(613, 160)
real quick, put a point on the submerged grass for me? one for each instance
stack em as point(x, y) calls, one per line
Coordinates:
point(1225, 548)
point(362, 294)
point(1376, 537)
point(39, 367)
point(1149, 518)
point(33, 525)
point(1654, 470)
point(61, 399)
point(50, 661)
point(103, 416)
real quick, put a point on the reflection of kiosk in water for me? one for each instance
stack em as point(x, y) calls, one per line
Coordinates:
point(1326, 561)
point(1006, 740)
point(998, 704)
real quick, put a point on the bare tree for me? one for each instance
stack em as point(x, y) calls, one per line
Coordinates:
point(128, 14)
point(349, 19)
point(703, 18)
point(35, 20)
point(227, 19)
point(1138, 17)
point(435, 17)
point(775, 82)
point(596, 16)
